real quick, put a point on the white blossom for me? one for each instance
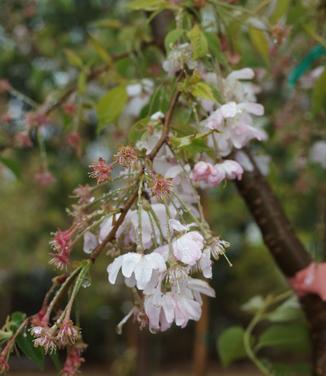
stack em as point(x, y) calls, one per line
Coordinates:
point(90, 242)
point(317, 153)
point(188, 247)
point(136, 266)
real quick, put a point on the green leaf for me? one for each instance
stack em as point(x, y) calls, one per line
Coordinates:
point(16, 319)
point(260, 42)
point(214, 47)
point(198, 42)
point(5, 335)
point(280, 9)
point(150, 5)
point(287, 311)
point(137, 130)
point(100, 49)
point(230, 345)
point(253, 304)
point(56, 361)
point(12, 165)
point(181, 142)
point(290, 337)
point(111, 105)
point(109, 23)
point(172, 37)
point(81, 83)
point(195, 147)
point(159, 102)
point(73, 58)
point(25, 343)
point(280, 369)
point(319, 94)
point(202, 90)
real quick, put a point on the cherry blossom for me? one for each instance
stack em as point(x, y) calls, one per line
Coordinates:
point(207, 173)
point(231, 169)
point(317, 153)
point(188, 248)
point(177, 58)
point(181, 304)
point(128, 232)
point(139, 95)
point(136, 266)
point(90, 242)
point(100, 171)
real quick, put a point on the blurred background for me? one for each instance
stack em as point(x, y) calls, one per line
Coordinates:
point(33, 36)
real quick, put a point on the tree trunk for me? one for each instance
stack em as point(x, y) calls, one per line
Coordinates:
point(287, 251)
point(200, 352)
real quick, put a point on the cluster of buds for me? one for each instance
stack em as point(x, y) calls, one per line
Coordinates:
point(161, 187)
point(61, 247)
point(69, 108)
point(127, 156)
point(22, 140)
point(100, 170)
point(36, 119)
point(59, 335)
point(74, 360)
point(44, 178)
point(74, 140)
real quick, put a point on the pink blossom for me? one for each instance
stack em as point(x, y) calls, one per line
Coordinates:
point(188, 247)
point(69, 108)
point(231, 169)
point(161, 187)
point(205, 264)
point(36, 119)
point(44, 338)
point(127, 156)
point(68, 333)
point(44, 178)
point(23, 140)
point(181, 304)
point(207, 173)
point(100, 171)
point(61, 245)
point(73, 140)
point(73, 361)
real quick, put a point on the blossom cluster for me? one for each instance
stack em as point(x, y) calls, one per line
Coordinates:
point(163, 242)
point(162, 246)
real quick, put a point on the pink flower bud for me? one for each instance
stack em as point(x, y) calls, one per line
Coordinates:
point(207, 173)
point(231, 169)
point(100, 171)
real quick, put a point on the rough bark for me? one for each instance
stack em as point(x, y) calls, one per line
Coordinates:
point(288, 252)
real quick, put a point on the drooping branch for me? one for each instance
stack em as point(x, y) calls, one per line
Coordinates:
point(279, 236)
point(131, 200)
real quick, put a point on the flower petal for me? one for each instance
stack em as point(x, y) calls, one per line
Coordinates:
point(129, 263)
point(113, 269)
